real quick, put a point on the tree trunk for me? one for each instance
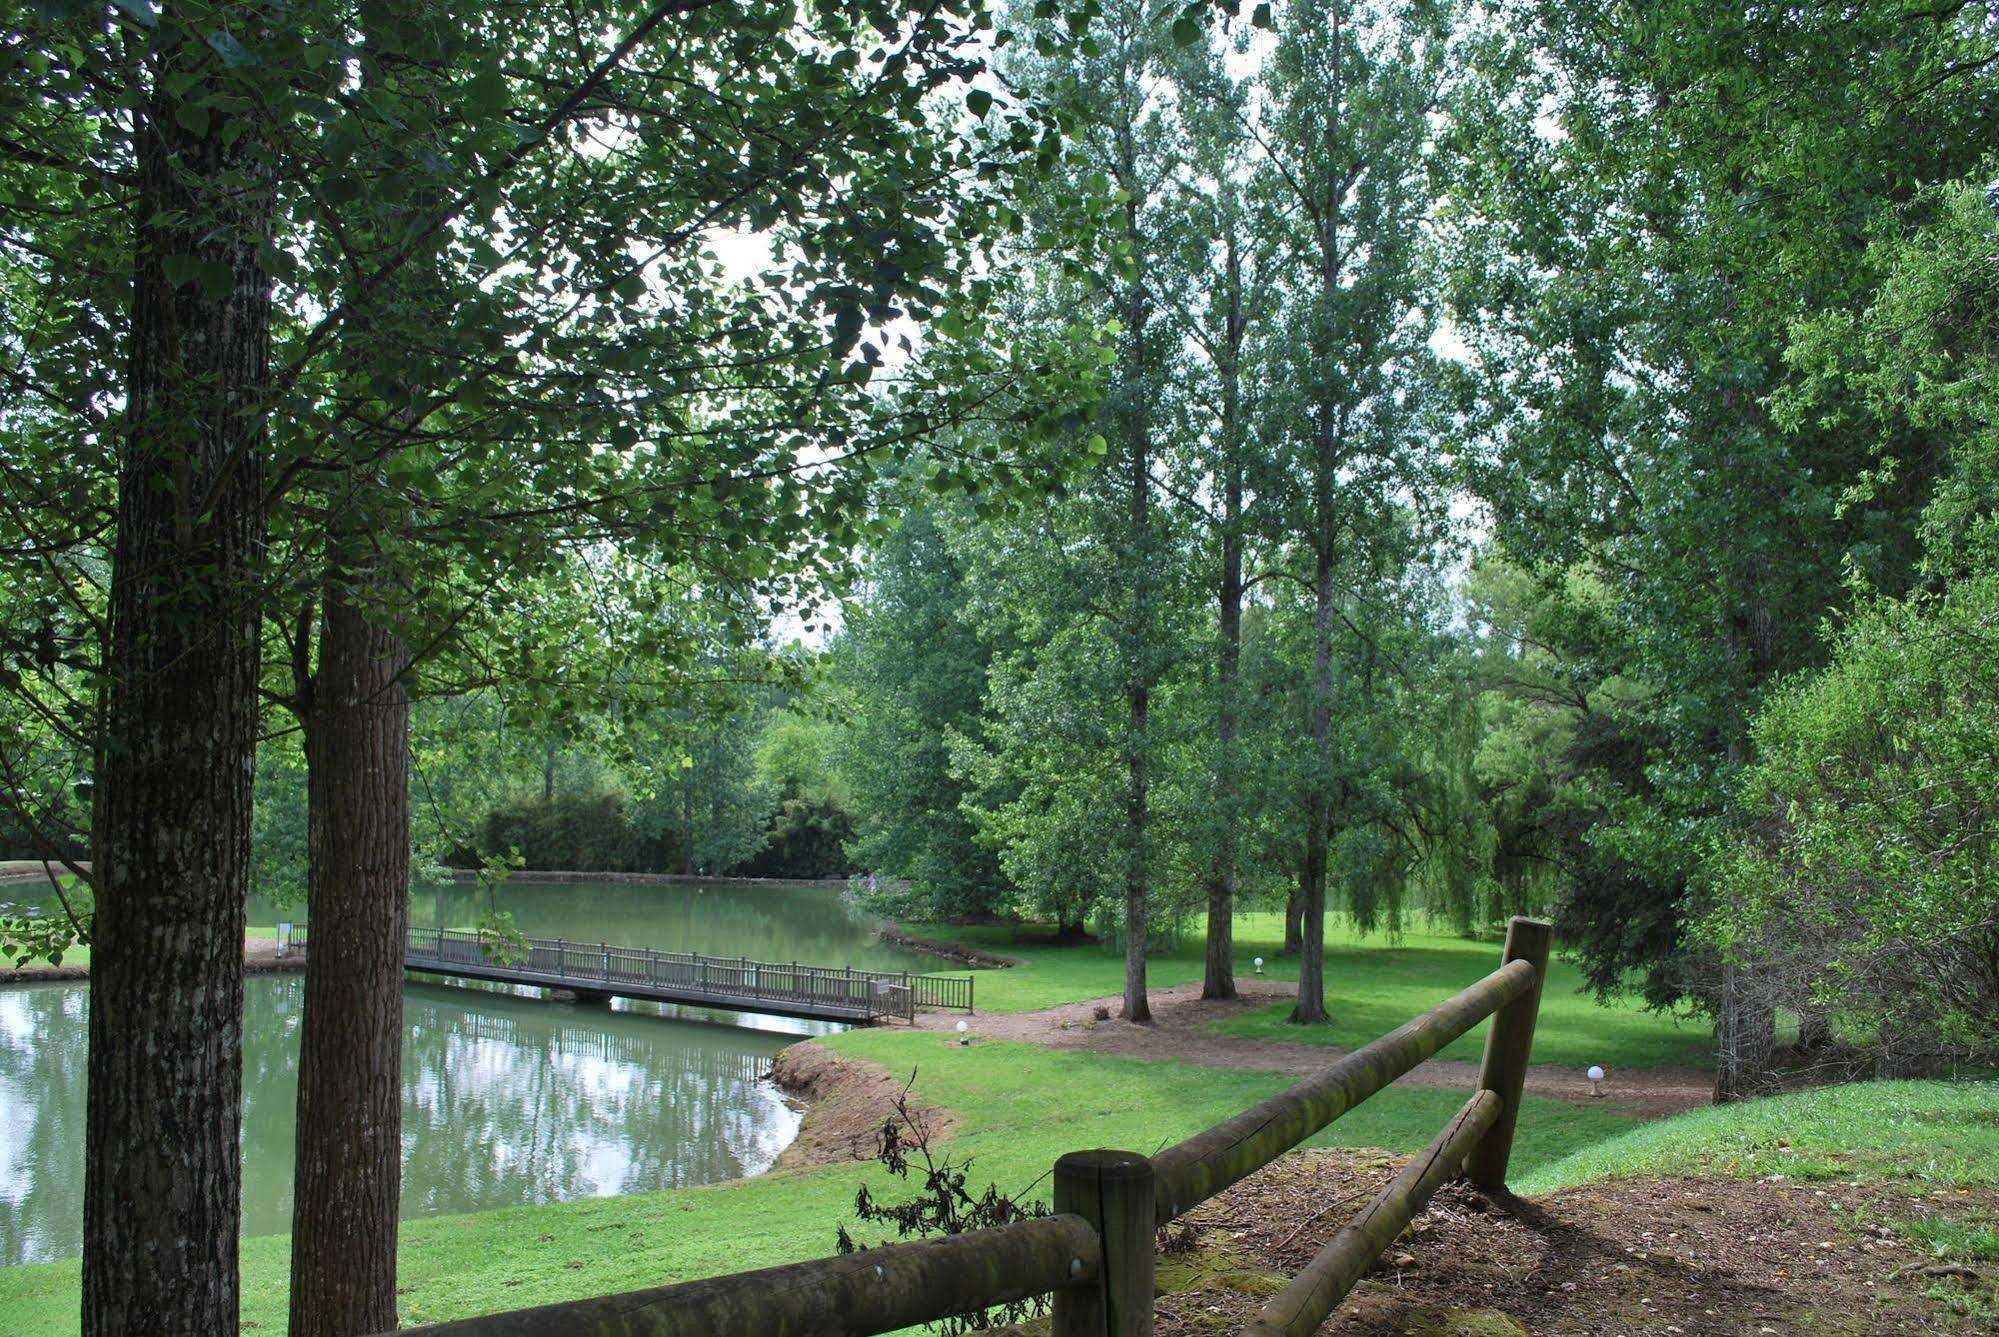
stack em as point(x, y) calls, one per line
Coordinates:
point(1814, 1029)
point(162, 1156)
point(1294, 917)
point(1219, 979)
point(1318, 808)
point(1745, 1035)
point(1137, 1007)
point(1138, 629)
point(349, 1165)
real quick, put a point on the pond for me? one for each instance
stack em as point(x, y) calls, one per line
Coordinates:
point(506, 1099)
point(815, 925)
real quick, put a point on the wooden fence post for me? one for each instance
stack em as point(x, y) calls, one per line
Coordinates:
point(1508, 1042)
point(1113, 1191)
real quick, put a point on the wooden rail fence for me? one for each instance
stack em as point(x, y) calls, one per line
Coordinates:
point(1095, 1253)
point(833, 993)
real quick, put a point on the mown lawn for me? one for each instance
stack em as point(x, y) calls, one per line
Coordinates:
point(1019, 1107)
point(1928, 1132)
point(1372, 986)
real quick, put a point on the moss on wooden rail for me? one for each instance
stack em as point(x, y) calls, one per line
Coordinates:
point(1208, 1162)
point(1315, 1292)
point(856, 1294)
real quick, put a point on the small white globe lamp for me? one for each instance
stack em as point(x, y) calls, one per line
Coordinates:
point(1595, 1075)
point(1259, 965)
point(963, 1037)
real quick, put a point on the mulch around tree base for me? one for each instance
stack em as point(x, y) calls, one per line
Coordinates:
point(1631, 1256)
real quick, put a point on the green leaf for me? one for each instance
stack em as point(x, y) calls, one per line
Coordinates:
point(234, 54)
point(1260, 16)
point(979, 101)
point(1099, 446)
point(1186, 31)
point(180, 270)
point(192, 117)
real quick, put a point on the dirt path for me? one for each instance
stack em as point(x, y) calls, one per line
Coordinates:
point(1178, 1014)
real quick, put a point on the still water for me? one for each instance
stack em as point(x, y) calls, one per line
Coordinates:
point(506, 1099)
point(815, 925)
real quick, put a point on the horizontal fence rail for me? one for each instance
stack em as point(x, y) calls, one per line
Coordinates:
point(1210, 1161)
point(733, 982)
point(853, 1295)
point(1095, 1256)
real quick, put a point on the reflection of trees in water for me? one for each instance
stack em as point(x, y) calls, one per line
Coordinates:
point(505, 1100)
point(524, 1102)
point(813, 925)
point(44, 1043)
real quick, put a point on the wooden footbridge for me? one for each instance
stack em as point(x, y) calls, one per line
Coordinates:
point(599, 971)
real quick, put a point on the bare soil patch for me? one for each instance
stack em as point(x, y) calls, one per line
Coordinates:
point(1633, 1256)
point(846, 1103)
point(1179, 1016)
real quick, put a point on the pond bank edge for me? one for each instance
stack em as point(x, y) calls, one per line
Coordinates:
point(846, 1102)
point(897, 936)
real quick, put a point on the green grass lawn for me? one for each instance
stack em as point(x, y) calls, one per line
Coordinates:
point(1018, 1106)
point(1933, 1132)
point(80, 956)
point(1372, 986)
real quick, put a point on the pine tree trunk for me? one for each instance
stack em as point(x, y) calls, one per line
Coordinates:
point(349, 1164)
point(162, 1177)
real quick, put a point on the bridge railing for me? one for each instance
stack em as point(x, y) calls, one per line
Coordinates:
point(1095, 1254)
point(869, 993)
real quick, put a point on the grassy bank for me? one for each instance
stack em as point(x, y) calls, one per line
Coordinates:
point(1372, 986)
point(1018, 1106)
point(1929, 1133)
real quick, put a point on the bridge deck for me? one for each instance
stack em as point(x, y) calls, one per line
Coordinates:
point(736, 984)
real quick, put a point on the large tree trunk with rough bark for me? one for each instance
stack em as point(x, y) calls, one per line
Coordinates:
point(162, 1160)
point(349, 1163)
point(1294, 917)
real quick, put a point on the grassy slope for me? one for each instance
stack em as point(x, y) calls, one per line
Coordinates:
point(1019, 1107)
point(1926, 1132)
point(1371, 986)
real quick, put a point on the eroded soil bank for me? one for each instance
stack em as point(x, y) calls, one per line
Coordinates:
point(846, 1103)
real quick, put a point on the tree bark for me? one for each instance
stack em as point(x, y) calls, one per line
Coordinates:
point(1138, 630)
point(1311, 1006)
point(1745, 1035)
point(349, 1164)
point(1294, 917)
point(1219, 978)
point(162, 1178)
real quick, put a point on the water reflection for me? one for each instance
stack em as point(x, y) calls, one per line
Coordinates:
point(506, 1100)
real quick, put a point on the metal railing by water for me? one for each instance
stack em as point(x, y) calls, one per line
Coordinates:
point(734, 982)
